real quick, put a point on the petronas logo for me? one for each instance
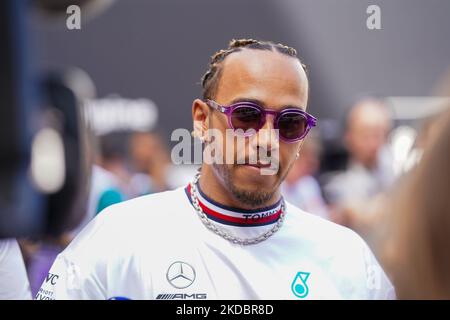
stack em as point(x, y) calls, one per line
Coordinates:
point(299, 286)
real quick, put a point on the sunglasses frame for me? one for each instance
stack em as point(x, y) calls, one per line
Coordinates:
point(311, 121)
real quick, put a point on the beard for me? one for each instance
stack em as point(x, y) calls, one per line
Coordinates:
point(256, 198)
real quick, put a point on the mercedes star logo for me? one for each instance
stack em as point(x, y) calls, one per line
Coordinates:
point(180, 275)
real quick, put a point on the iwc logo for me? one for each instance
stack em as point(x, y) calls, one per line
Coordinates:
point(180, 275)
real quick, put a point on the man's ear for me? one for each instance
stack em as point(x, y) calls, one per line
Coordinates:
point(200, 117)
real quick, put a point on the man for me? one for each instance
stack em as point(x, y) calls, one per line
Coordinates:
point(228, 234)
point(370, 168)
point(154, 170)
point(112, 175)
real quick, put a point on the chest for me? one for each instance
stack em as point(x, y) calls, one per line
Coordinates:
point(224, 271)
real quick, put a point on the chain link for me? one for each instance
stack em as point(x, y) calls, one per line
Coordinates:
point(211, 226)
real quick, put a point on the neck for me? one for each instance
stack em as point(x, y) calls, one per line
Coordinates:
point(213, 188)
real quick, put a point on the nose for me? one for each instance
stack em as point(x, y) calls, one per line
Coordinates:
point(267, 137)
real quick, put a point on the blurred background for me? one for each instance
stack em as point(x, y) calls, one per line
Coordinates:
point(94, 108)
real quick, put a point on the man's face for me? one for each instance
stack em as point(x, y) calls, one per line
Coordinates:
point(367, 132)
point(147, 150)
point(274, 81)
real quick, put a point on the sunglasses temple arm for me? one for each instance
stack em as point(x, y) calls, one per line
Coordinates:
point(216, 106)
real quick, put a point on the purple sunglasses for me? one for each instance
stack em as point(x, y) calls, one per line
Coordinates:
point(293, 124)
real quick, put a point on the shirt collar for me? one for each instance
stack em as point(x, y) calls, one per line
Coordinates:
point(233, 216)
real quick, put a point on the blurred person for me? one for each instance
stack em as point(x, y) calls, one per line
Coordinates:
point(14, 283)
point(151, 160)
point(113, 173)
point(300, 186)
point(155, 171)
point(228, 234)
point(370, 169)
point(420, 250)
point(409, 227)
point(367, 216)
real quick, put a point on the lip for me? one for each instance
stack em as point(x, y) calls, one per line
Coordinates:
point(258, 165)
point(259, 172)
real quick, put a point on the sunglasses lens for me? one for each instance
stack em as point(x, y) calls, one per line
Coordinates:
point(292, 125)
point(246, 117)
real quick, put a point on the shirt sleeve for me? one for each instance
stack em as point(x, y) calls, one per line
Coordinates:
point(14, 284)
point(78, 273)
point(67, 280)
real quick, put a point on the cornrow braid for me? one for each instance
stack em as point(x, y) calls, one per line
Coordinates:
point(210, 79)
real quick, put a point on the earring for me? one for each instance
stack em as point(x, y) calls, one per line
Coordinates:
point(297, 155)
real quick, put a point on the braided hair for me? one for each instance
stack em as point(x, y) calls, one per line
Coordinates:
point(210, 79)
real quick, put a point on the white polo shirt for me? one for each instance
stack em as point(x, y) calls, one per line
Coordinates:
point(156, 247)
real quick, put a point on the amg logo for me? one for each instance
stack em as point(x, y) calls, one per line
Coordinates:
point(182, 296)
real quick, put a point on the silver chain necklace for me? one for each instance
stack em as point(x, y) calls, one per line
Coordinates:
point(211, 226)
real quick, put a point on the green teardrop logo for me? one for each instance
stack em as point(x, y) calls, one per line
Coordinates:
point(299, 286)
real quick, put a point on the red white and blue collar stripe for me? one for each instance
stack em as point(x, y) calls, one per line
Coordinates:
point(233, 216)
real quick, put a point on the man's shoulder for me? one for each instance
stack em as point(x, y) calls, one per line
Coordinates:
point(151, 207)
point(131, 222)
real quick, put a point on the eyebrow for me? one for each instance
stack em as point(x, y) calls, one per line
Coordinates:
point(262, 104)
